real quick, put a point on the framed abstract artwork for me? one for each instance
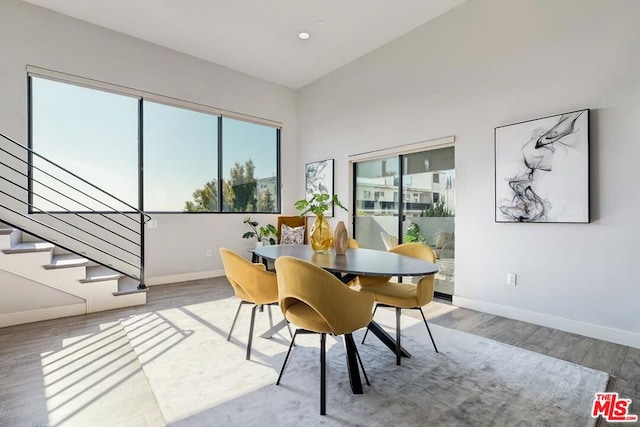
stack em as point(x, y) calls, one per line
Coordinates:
point(318, 178)
point(542, 169)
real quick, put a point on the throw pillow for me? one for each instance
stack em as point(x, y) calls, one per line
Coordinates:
point(291, 235)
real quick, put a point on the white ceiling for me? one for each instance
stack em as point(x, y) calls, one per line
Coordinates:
point(260, 37)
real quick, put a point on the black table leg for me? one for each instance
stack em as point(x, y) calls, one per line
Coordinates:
point(386, 339)
point(352, 364)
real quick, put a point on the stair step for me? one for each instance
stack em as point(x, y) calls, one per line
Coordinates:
point(127, 285)
point(100, 273)
point(66, 261)
point(5, 231)
point(27, 247)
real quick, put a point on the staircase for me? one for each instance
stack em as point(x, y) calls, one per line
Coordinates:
point(67, 247)
point(95, 287)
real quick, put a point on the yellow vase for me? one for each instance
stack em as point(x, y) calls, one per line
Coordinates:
point(320, 235)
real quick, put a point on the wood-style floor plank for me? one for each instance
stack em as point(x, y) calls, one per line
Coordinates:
point(516, 333)
point(572, 348)
point(493, 326)
point(606, 356)
point(543, 340)
point(630, 370)
point(452, 317)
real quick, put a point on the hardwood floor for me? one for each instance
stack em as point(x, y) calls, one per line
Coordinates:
point(24, 349)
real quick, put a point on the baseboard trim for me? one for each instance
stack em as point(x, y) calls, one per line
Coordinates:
point(617, 336)
point(184, 277)
point(30, 316)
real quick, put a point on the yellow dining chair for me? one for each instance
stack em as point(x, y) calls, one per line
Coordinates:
point(252, 284)
point(317, 302)
point(364, 280)
point(293, 222)
point(388, 240)
point(405, 295)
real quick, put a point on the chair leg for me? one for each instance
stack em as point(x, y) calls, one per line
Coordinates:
point(293, 340)
point(428, 330)
point(253, 318)
point(398, 347)
point(270, 316)
point(289, 328)
point(323, 375)
point(367, 330)
point(234, 320)
point(361, 364)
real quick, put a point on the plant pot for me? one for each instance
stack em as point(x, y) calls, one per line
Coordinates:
point(259, 244)
point(320, 235)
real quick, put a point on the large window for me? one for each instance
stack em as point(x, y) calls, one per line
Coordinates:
point(188, 159)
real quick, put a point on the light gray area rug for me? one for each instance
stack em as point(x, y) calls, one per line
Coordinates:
point(200, 379)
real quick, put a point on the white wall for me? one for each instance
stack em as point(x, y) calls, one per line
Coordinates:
point(494, 62)
point(20, 294)
point(36, 36)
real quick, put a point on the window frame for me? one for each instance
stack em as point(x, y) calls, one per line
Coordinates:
point(143, 96)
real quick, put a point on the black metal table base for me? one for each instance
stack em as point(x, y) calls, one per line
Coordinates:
point(352, 364)
point(386, 339)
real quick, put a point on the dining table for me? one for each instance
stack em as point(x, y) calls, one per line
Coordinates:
point(353, 263)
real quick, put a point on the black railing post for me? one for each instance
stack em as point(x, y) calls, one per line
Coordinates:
point(141, 187)
point(142, 223)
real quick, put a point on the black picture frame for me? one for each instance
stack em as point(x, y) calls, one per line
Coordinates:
point(542, 170)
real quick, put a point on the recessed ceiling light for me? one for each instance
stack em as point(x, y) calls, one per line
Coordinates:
point(320, 21)
point(304, 35)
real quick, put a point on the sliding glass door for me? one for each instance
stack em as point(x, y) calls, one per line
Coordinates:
point(409, 198)
point(428, 194)
point(376, 196)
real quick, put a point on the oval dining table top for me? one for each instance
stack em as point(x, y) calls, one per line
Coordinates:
point(358, 262)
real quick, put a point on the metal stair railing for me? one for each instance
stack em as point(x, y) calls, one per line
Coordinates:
point(106, 236)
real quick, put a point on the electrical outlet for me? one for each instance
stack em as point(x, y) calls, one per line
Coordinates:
point(512, 279)
point(208, 252)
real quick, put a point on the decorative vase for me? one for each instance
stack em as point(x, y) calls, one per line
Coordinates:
point(259, 244)
point(320, 235)
point(340, 238)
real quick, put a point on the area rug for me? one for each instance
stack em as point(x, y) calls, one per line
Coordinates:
point(200, 379)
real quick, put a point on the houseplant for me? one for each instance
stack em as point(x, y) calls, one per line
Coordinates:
point(260, 233)
point(320, 233)
point(413, 234)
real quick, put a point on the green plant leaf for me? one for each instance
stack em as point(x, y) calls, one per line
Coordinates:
point(318, 204)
